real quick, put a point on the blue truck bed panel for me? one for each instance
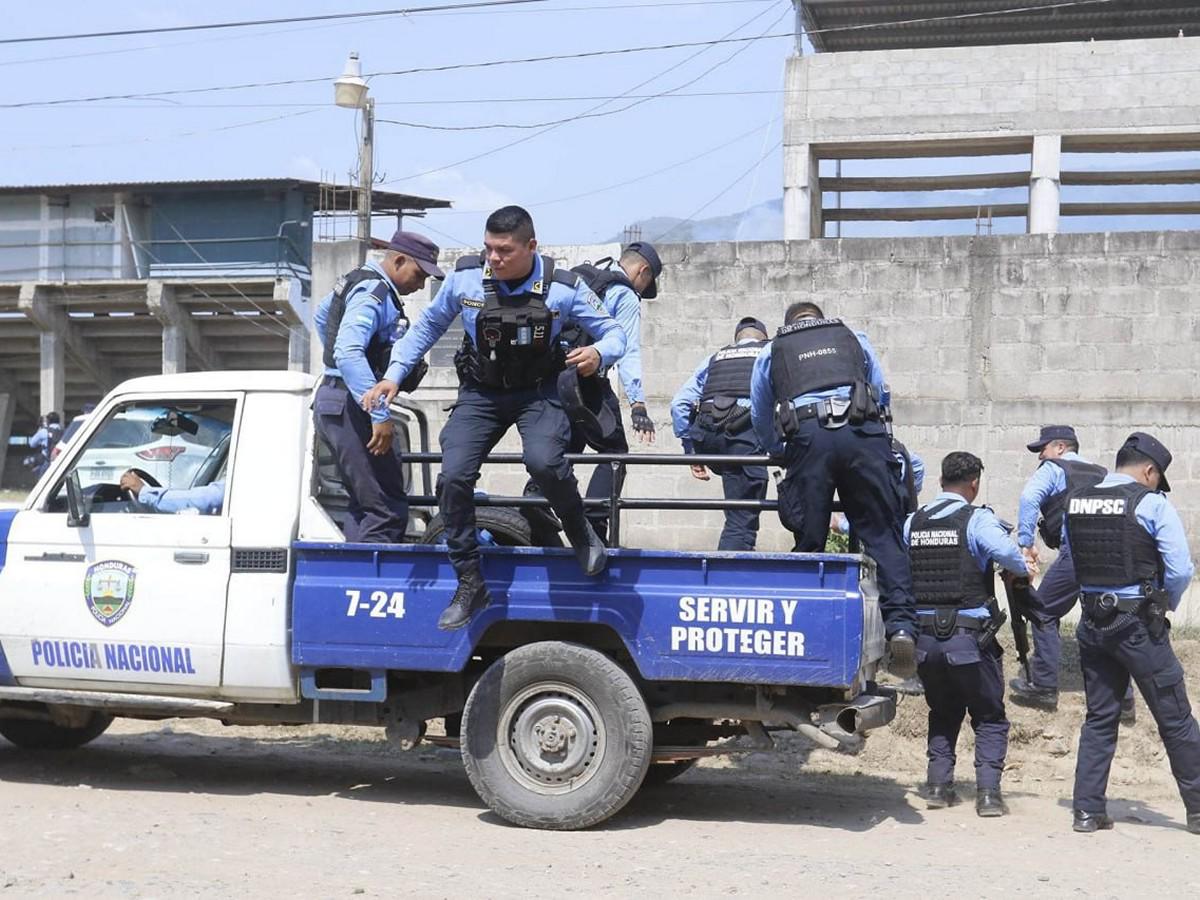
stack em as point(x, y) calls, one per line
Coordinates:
point(754, 618)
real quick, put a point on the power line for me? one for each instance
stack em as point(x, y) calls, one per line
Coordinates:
point(415, 10)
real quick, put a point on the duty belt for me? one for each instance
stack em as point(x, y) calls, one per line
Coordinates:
point(943, 622)
point(830, 412)
point(1107, 603)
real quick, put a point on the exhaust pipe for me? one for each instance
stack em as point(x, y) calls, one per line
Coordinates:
point(860, 715)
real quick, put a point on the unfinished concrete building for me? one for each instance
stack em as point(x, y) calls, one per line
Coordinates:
point(1040, 80)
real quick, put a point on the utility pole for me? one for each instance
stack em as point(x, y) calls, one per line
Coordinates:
point(351, 92)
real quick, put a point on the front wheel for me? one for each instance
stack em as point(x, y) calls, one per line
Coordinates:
point(38, 734)
point(556, 736)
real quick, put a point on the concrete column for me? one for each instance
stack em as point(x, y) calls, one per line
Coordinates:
point(1044, 184)
point(174, 350)
point(8, 402)
point(802, 218)
point(54, 371)
point(299, 347)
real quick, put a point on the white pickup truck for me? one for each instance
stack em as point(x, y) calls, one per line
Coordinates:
point(232, 594)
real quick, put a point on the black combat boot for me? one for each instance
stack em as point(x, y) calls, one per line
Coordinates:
point(1025, 693)
point(471, 597)
point(589, 549)
point(989, 803)
point(902, 655)
point(1193, 822)
point(1128, 711)
point(939, 796)
point(1086, 822)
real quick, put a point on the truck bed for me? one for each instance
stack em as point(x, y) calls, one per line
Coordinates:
point(750, 618)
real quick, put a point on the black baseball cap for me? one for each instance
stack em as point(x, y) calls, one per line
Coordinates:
point(647, 252)
point(583, 401)
point(1152, 448)
point(749, 322)
point(416, 247)
point(1052, 433)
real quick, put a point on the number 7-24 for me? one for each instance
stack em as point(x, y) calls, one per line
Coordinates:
point(380, 605)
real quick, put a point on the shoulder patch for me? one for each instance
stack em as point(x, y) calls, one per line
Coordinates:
point(468, 262)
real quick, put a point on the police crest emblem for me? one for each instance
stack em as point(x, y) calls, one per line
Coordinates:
point(108, 590)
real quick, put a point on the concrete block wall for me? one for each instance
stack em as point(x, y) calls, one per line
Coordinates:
point(947, 92)
point(983, 340)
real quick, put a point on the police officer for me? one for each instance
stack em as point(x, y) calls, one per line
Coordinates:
point(1133, 564)
point(711, 415)
point(817, 392)
point(954, 547)
point(621, 286)
point(358, 322)
point(1043, 502)
point(513, 303)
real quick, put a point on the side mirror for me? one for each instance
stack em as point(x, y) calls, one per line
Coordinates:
point(79, 513)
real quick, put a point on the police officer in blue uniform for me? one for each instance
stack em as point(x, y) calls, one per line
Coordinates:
point(1133, 564)
point(358, 323)
point(817, 394)
point(513, 303)
point(1043, 502)
point(954, 547)
point(621, 286)
point(711, 415)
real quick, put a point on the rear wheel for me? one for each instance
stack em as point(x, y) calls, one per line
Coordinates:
point(556, 736)
point(36, 734)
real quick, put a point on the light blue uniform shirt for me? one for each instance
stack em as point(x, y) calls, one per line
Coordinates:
point(1043, 484)
point(762, 392)
point(987, 540)
point(1156, 514)
point(576, 304)
point(687, 398)
point(623, 304)
point(208, 498)
point(40, 439)
point(365, 316)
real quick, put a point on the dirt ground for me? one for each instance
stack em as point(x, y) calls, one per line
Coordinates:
point(187, 808)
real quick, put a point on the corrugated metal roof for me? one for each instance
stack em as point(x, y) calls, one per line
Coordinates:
point(896, 24)
point(380, 200)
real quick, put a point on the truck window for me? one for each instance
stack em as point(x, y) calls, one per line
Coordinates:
point(178, 449)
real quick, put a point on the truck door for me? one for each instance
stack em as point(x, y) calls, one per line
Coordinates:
point(135, 598)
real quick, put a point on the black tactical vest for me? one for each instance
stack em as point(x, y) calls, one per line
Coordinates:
point(514, 345)
point(378, 352)
point(599, 279)
point(729, 371)
point(1109, 546)
point(1080, 475)
point(944, 571)
point(909, 484)
point(814, 355)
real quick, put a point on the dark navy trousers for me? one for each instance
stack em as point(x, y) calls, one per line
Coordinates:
point(601, 484)
point(1109, 659)
point(960, 677)
point(856, 461)
point(480, 418)
point(378, 501)
point(737, 482)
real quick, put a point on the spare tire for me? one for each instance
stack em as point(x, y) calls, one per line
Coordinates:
point(506, 525)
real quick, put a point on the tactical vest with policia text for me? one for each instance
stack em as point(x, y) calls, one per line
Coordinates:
point(1109, 546)
point(944, 572)
point(1080, 475)
point(514, 345)
point(726, 382)
point(378, 351)
point(815, 355)
point(599, 276)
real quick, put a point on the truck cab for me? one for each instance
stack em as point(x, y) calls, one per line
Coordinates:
point(228, 591)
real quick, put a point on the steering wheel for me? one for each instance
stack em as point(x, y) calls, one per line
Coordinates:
point(146, 477)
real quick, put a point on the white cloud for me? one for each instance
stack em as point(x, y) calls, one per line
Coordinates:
point(466, 194)
point(304, 167)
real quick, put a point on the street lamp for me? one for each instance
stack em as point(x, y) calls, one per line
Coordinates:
point(350, 91)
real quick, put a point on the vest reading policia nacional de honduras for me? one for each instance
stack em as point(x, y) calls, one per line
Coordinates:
point(514, 345)
point(1080, 475)
point(944, 571)
point(1109, 546)
point(729, 371)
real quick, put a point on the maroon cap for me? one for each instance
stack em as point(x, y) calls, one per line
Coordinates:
point(419, 248)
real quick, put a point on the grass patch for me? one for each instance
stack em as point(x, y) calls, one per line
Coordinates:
point(7, 496)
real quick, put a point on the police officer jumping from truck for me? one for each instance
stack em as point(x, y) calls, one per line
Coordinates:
point(954, 547)
point(358, 322)
point(621, 286)
point(1061, 472)
point(816, 394)
point(513, 304)
point(711, 415)
point(1133, 564)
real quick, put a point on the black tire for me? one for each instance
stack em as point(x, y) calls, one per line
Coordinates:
point(507, 526)
point(34, 734)
point(662, 772)
point(566, 689)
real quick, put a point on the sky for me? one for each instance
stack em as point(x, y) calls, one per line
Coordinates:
point(683, 156)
